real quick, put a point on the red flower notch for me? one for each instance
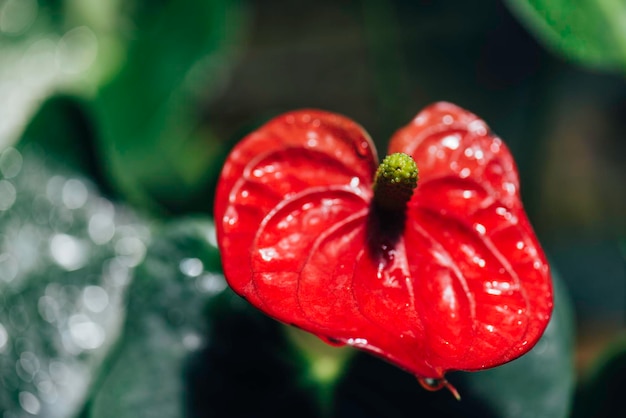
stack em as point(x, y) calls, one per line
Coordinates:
point(456, 280)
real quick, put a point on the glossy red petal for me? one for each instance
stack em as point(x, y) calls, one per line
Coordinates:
point(286, 239)
point(458, 283)
point(290, 155)
point(446, 140)
point(482, 286)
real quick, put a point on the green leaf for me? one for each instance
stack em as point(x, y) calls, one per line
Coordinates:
point(601, 392)
point(158, 150)
point(591, 32)
point(49, 47)
point(166, 327)
point(191, 347)
point(66, 257)
point(62, 127)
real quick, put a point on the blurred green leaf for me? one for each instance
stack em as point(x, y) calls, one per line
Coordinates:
point(64, 130)
point(49, 47)
point(592, 32)
point(601, 393)
point(66, 257)
point(166, 325)
point(191, 347)
point(157, 147)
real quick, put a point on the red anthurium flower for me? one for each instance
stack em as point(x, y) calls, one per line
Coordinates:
point(444, 276)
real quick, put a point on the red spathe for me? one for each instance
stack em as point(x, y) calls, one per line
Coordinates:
point(458, 283)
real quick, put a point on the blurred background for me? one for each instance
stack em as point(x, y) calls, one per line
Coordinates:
point(115, 118)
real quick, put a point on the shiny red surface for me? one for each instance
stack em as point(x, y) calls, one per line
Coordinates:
point(459, 283)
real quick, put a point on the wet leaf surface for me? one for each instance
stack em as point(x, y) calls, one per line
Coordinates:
point(192, 348)
point(66, 257)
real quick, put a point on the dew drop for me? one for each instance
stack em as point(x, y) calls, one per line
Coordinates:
point(9, 267)
point(8, 194)
point(85, 333)
point(192, 341)
point(268, 254)
point(363, 148)
point(68, 252)
point(420, 120)
point(95, 298)
point(4, 338)
point(451, 141)
point(477, 127)
point(211, 235)
point(29, 362)
point(211, 284)
point(191, 267)
point(130, 250)
point(74, 194)
point(10, 163)
point(29, 403)
point(48, 308)
point(509, 187)
point(101, 228)
point(357, 342)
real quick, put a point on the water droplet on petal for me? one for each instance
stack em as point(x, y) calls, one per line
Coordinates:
point(451, 141)
point(480, 228)
point(477, 127)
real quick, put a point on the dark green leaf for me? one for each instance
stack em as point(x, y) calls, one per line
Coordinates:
point(166, 325)
point(62, 127)
point(190, 347)
point(601, 393)
point(157, 148)
point(592, 32)
point(66, 257)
